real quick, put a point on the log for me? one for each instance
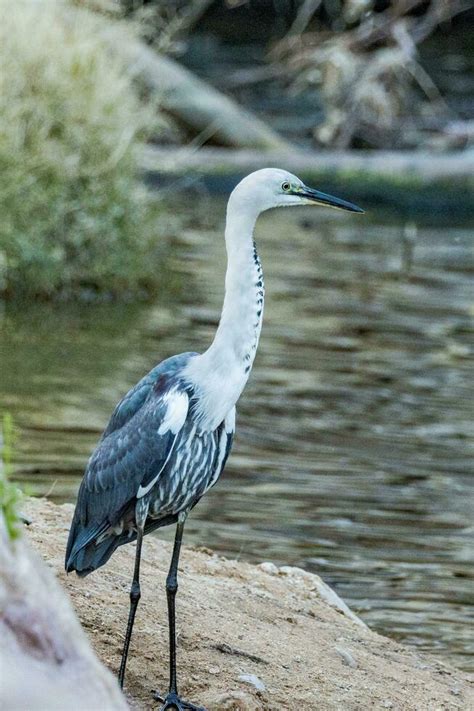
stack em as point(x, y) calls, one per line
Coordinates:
point(414, 182)
point(191, 101)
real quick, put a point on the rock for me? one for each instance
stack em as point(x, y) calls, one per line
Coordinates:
point(254, 680)
point(347, 657)
point(314, 582)
point(46, 660)
point(269, 568)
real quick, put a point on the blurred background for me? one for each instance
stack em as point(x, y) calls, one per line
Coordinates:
point(123, 126)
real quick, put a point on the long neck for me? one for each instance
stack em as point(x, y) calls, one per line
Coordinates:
point(236, 340)
point(223, 370)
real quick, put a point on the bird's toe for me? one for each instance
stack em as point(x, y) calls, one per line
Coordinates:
point(172, 702)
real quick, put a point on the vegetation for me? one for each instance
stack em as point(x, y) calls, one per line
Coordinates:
point(75, 218)
point(10, 495)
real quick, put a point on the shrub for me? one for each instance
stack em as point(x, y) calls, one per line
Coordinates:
point(74, 217)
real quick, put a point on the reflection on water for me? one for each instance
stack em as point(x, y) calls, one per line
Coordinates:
point(354, 447)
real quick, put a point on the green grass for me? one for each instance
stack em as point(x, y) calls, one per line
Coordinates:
point(10, 495)
point(75, 218)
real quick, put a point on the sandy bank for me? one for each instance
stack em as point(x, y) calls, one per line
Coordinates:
point(250, 637)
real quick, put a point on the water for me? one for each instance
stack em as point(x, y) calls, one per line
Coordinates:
point(354, 450)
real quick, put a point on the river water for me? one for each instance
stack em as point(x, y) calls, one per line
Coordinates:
point(354, 449)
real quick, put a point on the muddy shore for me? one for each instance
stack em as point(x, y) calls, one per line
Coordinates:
point(250, 637)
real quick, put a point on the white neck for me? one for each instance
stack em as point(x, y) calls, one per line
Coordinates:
point(220, 374)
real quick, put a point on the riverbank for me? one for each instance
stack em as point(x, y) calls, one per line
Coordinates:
point(250, 637)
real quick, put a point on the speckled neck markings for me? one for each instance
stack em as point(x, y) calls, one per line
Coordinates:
point(259, 301)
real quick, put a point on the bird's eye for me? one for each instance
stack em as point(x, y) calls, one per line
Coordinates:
point(285, 186)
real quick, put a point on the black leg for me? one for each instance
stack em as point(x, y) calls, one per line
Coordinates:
point(171, 589)
point(135, 594)
point(172, 700)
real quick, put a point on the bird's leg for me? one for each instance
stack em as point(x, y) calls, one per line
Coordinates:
point(171, 590)
point(141, 512)
point(172, 700)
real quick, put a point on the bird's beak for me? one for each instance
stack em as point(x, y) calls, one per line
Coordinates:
point(317, 198)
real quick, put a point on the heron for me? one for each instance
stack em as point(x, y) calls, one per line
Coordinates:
point(168, 439)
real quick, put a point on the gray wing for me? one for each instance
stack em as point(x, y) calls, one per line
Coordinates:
point(131, 403)
point(129, 458)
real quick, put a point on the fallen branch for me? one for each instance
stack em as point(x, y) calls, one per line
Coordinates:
point(374, 89)
point(414, 181)
point(227, 649)
point(195, 104)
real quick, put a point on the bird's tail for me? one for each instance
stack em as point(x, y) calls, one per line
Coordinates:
point(88, 548)
point(91, 556)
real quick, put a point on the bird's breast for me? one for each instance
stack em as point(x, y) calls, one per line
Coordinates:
point(194, 467)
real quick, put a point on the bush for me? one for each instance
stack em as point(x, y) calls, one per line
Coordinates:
point(74, 217)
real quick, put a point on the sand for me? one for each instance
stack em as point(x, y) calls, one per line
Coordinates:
point(249, 637)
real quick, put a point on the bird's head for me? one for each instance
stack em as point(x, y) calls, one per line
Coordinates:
point(272, 187)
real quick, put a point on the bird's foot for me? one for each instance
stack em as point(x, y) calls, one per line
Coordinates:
point(172, 702)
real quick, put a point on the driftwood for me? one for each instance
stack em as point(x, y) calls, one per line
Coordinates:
point(193, 102)
point(387, 165)
point(370, 76)
point(414, 182)
point(209, 115)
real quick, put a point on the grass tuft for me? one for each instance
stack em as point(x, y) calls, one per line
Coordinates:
point(75, 218)
point(10, 495)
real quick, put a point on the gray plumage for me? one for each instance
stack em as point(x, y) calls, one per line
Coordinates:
point(130, 455)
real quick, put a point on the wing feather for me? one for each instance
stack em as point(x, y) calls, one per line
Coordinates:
point(128, 458)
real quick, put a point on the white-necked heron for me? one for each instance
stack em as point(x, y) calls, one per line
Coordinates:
point(168, 440)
